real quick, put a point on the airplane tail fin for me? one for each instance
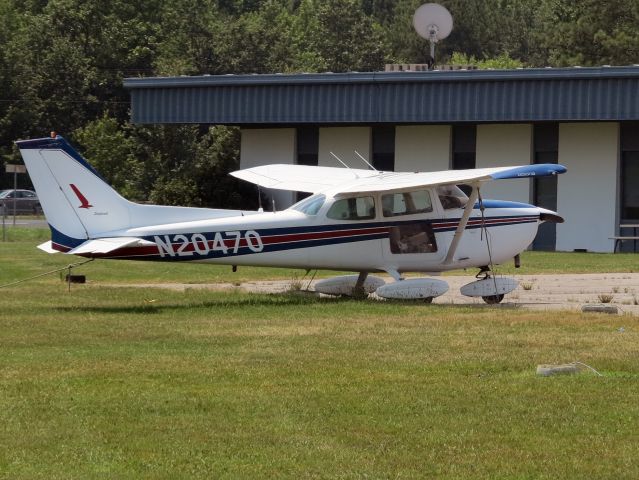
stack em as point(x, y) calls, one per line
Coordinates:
point(81, 207)
point(76, 201)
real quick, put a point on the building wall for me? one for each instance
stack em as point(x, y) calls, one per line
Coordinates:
point(586, 196)
point(587, 193)
point(501, 145)
point(269, 145)
point(422, 148)
point(343, 141)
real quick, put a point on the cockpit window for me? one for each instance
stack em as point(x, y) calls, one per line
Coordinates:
point(451, 197)
point(406, 203)
point(310, 205)
point(356, 208)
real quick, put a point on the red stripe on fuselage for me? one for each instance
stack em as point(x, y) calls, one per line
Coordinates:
point(277, 239)
point(487, 222)
point(300, 237)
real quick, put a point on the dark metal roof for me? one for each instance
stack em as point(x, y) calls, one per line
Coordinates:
point(523, 95)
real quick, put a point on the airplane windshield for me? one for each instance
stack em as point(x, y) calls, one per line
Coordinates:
point(310, 205)
point(451, 197)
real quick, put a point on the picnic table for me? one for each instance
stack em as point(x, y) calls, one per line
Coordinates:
point(622, 238)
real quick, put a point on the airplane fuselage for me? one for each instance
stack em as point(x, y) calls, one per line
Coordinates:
point(291, 238)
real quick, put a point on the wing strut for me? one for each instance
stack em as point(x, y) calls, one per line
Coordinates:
point(462, 224)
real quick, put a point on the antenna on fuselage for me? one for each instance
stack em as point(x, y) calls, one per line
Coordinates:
point(259, 199)
point(365, 161)
point(340, 161)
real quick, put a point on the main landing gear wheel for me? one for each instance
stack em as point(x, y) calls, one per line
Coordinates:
point(428, 300)
point(491, 289)
point(493, 299)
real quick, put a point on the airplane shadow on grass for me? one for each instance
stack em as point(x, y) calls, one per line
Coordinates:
point(275, 300)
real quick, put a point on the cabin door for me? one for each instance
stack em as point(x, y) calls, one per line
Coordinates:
point(411, 243)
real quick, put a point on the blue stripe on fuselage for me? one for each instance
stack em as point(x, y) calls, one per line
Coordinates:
point(438, 226)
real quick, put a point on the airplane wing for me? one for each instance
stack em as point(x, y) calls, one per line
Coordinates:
point(106, 245)
point(400, 180)
point(301, 178)
point(311, 179)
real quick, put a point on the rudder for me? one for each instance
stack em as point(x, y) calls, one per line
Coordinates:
point(76, 201)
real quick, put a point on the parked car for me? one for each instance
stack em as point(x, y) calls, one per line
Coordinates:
point(26, 202)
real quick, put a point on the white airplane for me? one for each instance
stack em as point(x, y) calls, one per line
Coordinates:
point(355, 220)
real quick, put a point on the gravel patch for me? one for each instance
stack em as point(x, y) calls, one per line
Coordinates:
point(539, 292)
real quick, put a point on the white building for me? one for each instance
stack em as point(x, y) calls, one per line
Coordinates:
point(584, 118)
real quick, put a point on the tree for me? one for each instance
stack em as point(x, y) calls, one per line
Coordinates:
point(187, 36)
point(588, 33)
point(69, 57)
point(336, 36)
point(257, 42)
point(382, 11)
point(170, 165)
point(186, 165)
point(502, 61)
point(113, 152)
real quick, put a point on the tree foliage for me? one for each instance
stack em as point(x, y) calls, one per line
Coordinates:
point(589, 33)
point(502, 61)
point(62, 63)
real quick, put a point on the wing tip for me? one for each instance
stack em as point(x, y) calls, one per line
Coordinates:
point(529, 171)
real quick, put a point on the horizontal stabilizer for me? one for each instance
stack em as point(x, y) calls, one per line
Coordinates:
point(106, 245)
point(47, 247)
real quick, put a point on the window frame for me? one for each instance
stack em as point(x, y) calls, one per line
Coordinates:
point(445, 206)
point(351, 209)
point(406, 212)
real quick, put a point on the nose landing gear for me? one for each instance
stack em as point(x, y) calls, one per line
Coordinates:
point(490, 288)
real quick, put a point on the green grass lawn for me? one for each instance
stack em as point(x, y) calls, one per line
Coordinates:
point(105, 382)
point(117, 383)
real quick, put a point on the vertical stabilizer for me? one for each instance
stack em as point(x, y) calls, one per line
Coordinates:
point(76, 201)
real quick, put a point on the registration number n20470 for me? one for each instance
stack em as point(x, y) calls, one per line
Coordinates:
point(197, 244)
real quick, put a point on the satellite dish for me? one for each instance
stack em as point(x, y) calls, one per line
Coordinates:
point(434, 23)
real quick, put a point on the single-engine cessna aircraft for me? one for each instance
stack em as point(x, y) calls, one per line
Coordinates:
point(359, 220)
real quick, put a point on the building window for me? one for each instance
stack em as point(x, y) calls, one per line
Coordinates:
point(464, 146)
point(545, 150)
point(630, 172)
point(307, 141)
point(384, 148)
point(307, 146)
